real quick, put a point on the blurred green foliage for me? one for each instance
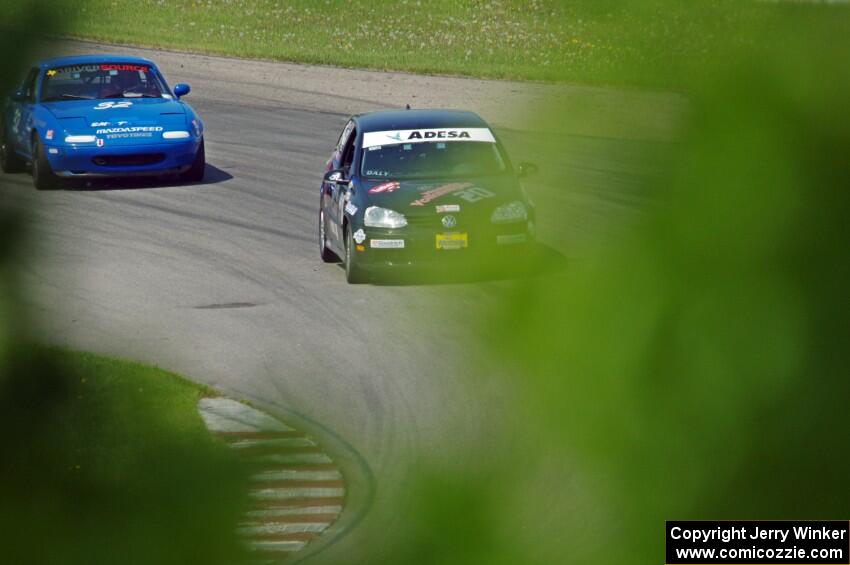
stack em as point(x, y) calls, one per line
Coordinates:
point(15, 43)
point(103, 461)
point(695, 365)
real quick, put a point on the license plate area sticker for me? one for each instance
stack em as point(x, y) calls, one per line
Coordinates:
point(386, 243)
point(454, 240)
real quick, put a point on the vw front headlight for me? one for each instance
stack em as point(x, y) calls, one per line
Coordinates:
point(376, 217)
point(511, 212)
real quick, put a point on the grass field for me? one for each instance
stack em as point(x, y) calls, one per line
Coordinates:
point(110, 458)
point(580, 40)
point(116, 400)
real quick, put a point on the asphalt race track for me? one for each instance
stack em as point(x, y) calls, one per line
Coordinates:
point(222, 281)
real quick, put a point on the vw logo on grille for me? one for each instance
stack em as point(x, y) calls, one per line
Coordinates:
point(449, 221)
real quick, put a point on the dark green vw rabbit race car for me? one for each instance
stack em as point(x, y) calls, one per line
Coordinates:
point(421, 187)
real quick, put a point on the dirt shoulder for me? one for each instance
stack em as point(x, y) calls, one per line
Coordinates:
point(594, 111)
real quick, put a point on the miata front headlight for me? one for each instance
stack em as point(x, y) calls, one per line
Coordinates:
point(511, 212)
point(376, 217)
point(80, 139)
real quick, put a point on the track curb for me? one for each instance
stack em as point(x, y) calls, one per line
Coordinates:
point(298, 492)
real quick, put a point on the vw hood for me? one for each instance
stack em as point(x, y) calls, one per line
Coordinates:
point(427, 197)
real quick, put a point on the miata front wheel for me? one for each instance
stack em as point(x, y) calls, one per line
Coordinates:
point(43, 176)
point(199, 165)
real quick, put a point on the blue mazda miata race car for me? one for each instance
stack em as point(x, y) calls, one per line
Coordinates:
point(100, 116)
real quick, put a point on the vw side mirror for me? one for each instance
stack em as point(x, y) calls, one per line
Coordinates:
point(526, 169)
point(181, 89)
point(337, 176)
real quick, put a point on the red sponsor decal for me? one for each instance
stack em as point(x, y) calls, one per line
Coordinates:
point(99, 142)
point(390, 186)
point(122, 67)
point(439, 191)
